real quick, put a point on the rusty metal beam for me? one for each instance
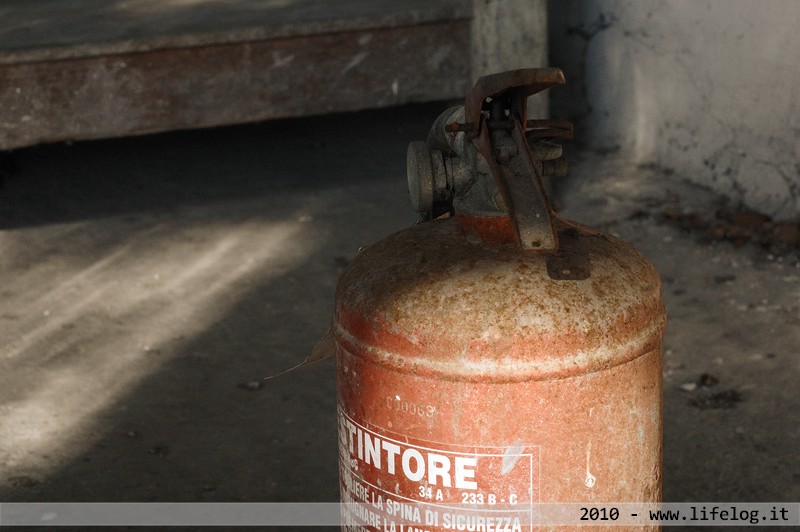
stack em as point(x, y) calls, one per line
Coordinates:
point(218, 84)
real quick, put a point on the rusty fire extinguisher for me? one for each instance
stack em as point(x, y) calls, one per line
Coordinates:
point(502, 355)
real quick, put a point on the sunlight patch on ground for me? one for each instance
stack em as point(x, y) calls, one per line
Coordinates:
point(74, 345)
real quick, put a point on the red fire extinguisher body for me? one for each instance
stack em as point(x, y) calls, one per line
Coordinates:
point(501, 357)
point(467, 374)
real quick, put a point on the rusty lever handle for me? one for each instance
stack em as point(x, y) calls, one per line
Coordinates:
point(495, 103)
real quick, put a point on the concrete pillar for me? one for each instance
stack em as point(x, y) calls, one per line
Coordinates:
point(510, 34)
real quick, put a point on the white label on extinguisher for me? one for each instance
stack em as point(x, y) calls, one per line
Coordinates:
point(405, 484)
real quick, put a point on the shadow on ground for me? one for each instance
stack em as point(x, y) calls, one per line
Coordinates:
point(197, 263)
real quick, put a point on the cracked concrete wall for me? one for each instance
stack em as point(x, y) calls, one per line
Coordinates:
point(707, 88)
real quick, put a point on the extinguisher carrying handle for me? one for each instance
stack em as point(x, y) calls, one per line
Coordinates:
point(500, 102)
point(522, 83)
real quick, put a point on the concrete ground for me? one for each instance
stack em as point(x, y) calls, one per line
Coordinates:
point(149, 284)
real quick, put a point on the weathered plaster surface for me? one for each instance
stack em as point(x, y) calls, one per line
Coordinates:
point(708, 88)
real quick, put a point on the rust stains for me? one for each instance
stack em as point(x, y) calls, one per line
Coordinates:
point(431, 300)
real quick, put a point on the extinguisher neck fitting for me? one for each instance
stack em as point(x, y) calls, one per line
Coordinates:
point(484, 162)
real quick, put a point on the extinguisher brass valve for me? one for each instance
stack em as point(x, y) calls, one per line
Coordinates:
point(486, 158)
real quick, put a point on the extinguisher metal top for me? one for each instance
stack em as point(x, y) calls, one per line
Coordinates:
point(505, 290)
point(494, 147)
point(432, 300)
